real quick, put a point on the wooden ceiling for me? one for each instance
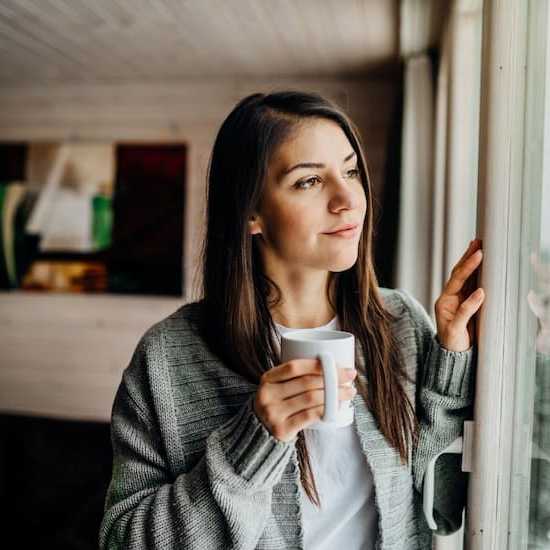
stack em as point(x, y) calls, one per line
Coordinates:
point(83, 41)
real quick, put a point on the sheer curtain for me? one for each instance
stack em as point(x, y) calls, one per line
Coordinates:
point(437, 214)
point(416, 192)
point(439, 145)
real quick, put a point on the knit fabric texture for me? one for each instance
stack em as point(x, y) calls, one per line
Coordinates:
point(195, 468)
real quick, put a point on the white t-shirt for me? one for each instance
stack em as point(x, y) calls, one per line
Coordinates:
point(348, 517)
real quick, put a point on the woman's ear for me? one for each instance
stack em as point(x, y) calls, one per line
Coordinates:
point(254, 226)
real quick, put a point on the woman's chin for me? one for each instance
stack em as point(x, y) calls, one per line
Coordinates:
point(341, 264)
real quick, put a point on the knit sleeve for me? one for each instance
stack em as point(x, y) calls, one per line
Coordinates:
point(541, 409)
point(444, 399)
point(224, 501)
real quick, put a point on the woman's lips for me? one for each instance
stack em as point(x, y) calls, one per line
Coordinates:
point(346, 234)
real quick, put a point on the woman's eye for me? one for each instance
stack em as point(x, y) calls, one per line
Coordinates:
point(354, 173)
point(299, 184)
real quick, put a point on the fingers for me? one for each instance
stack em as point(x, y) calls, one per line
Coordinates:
point(308, 382)
point(467, 253)
point(304, 419)
point(462, 271)
point(309, 399)
point(292, 369)
point(296, 390)
point(468, 308)
point(472, 247)
point(346, 375)
point(299, 367)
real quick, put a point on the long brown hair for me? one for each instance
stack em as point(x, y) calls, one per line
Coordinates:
point(237, 295)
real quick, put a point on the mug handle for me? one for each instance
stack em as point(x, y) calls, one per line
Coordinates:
point(331, 386)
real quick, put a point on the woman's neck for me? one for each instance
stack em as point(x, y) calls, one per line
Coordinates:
point(304, 299)
point(294, 316)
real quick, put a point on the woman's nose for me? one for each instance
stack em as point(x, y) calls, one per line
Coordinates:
point(343, 195)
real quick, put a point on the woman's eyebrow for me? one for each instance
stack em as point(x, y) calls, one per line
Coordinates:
point(310, 165)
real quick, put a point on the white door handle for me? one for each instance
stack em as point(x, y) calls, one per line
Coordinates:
point(458, 446)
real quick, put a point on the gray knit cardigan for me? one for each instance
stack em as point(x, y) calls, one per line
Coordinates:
point(194, 467)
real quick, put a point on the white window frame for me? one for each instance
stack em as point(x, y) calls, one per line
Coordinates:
point(508, 221)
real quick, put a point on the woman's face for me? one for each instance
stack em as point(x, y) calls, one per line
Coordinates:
point(302, 204)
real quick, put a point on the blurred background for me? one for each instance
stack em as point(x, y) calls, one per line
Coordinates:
point(108, 113)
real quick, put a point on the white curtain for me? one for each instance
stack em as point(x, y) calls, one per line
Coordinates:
point(439, 146)
point(416, 190)
point(437, 215)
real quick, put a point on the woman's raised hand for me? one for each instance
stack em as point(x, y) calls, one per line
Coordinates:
point(291, 396)
point(457, 304)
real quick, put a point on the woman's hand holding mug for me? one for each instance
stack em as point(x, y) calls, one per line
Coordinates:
point(291, 396)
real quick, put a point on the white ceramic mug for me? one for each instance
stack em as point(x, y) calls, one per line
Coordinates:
point(335, 349)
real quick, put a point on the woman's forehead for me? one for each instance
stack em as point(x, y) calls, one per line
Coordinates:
point(317, 141)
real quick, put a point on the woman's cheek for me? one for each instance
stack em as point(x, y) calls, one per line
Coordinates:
point(295, 222)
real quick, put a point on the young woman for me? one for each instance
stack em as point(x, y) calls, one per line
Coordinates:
point(209, 428)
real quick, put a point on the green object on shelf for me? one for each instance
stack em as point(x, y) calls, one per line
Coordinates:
point(102, 221)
